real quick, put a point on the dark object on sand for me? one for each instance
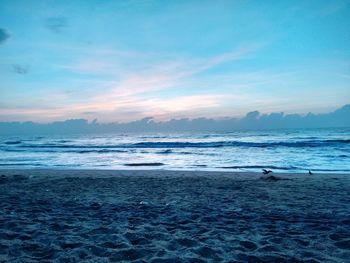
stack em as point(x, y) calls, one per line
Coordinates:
point(266, 171)
point(310, 173)
point(270, 178)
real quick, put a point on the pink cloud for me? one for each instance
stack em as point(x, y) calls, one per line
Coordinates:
point(133, 93)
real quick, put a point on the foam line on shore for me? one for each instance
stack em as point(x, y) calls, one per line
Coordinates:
point(162, 173)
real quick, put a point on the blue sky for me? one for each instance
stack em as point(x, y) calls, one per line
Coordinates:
point(125, 60)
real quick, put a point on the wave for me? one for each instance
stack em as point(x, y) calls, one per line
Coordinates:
point(21, 164)
point(72, 150)
point(315, 143)
point(64, 141)
point(144, 164)
point(98, 151)
point(12, 142)
point(217, 144)
point(167, 151)
point(338, 141)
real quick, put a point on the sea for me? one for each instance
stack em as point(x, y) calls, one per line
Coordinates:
point(291, 151)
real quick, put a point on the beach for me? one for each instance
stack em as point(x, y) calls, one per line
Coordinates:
point(173, 216)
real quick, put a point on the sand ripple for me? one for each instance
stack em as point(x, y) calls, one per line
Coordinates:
point(173, 219)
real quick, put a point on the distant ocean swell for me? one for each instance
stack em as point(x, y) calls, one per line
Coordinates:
point(311, 143)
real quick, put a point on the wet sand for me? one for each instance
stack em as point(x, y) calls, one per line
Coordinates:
point(173, 216)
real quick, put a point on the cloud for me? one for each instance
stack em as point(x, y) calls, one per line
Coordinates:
point(90, 112)
point(56, 24)
point(253, 120)
point(20, 69)
point(132, 82)
point(123, 109)
point(163, 75)
point(154, 87)
point(135, 90)
point(3, 36)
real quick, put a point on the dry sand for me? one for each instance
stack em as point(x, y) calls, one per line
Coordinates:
point(172, 216)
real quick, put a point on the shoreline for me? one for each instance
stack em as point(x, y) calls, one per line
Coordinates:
point(173, 216)
point(160, 172)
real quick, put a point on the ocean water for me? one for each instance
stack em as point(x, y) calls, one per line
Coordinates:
point(322, 150)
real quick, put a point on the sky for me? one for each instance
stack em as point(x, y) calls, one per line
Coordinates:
point(126, 60)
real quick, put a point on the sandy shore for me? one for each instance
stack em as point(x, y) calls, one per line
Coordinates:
point(173, 216)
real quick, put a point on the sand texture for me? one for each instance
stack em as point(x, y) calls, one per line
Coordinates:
point(172, 216)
